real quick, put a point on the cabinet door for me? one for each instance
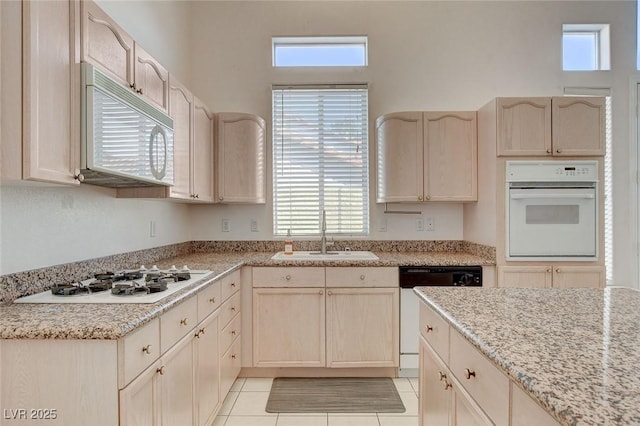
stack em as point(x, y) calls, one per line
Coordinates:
point(106, 45)
point(578, 126)
point(523, 126)
point(435, 389)
point(450, 156)
point(288, 327)
point(362, 327)
point(578, 276)
point(399, 148)
point(464, 413)
point(176, 384)
point(241, 158)
point(524, 276)
point(139, 401)
point(51, 91)
point(181, 109)
point(151, 79)
point(208, 370)
point(202, 152)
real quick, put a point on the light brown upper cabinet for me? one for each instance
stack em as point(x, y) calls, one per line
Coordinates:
point(558, 126)
point(107, 46)
point(240, 159)
point(427, 156)
point(202, 159)
point(41, 91)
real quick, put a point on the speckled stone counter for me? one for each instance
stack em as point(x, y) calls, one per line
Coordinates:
point(576, 351)
point(112, 321)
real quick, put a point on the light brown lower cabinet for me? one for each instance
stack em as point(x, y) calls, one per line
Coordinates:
point(552, 275)
point(459, 386)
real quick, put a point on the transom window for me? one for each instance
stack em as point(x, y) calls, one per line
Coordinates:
point(320, 159)
point(319, 51)
point(585, 47)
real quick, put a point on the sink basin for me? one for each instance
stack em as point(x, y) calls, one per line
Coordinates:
point(331, 255)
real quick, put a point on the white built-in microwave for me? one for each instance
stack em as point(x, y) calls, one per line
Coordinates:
point(552, 210)
point(126, 142)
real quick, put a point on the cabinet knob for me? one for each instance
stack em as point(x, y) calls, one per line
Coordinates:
point(428, 328)
point(329, 293)
point(469, 373)
point(212, 300)
point(196, 196)
point(288, 278)
point(233, 284)
point(233, 332)
point(321, 292)
point(233, 356)
point(200, 333)
point(559, 151)
point(428, 197)
point(160, 370)
point(419, 197)
point(549, 270)
point(233, 309)
point(78, 176)
point(139, 91)
point(446, 385)
point(442, 375)
point(133, 86)
point(183, 321)
point(557, 270)
point(362, 277)
point(549, 151)
point(146, 349)
point(221, 198)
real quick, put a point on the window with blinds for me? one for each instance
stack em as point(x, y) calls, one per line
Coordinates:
point(320, 159)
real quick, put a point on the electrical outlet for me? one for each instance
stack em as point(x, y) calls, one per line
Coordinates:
point(254, 225)
point(429, 224)
point(152, 229)
point(226, 226)
point(419, 224)
point(382, 225)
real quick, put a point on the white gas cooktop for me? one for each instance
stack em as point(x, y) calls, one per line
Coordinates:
point(107, 297)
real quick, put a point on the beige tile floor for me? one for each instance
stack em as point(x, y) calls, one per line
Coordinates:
point(245, 404)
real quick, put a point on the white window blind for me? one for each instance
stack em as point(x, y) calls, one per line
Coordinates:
point(320, 159)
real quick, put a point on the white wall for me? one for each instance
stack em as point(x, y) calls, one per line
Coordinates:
point(431, 55)
point(45, 225)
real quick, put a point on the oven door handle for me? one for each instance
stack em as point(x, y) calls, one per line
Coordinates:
point(553, 196)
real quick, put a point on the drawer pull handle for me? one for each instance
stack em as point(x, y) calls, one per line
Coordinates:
point(233, 356)
point(147, 349)
point(362, 277)
point(428, 328)
point(183, 321)
point(212, 300)
point(442, 375)
point(469, 373)
point(288, 277)
point(233, 332)
point(447, 385)
point(160, 370)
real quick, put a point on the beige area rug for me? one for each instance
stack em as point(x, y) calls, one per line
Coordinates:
point(334, 395)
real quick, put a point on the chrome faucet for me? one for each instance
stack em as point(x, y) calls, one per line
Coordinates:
point(323, 240)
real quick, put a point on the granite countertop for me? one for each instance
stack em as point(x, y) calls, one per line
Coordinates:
point(112, 321)
point(576, 351)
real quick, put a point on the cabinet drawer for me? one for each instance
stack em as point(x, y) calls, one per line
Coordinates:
point(435, 330)
point(209, 300)
point(229, 309)
point(138, 350)
point(362, 277)
point(288, 277)
point(229, 285)
point(175, 323)
point(229, 333)
point(230, 365)
point(484, 382)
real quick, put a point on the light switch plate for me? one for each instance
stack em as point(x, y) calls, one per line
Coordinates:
point(226, 226)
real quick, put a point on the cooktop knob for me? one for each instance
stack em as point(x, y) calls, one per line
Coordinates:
point(185, 269)
point(173, 268)
point(154, 268)
point(142, 268)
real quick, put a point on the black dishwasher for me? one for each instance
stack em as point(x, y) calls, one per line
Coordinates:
point(427, 276)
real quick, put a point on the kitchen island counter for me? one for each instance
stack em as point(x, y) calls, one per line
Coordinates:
point(113, 321)
point(575, 351)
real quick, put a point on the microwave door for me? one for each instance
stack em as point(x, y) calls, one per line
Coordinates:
point(552, 222)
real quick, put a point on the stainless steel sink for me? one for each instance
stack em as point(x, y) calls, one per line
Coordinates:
point(331, 255)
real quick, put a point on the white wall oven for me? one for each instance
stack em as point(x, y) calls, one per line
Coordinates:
point(552, 210)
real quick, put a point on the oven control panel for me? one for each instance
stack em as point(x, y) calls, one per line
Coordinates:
point(552, 171)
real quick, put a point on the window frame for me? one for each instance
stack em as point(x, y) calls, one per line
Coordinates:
point(319, 41)
point(364, 170)
point(602, 50)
